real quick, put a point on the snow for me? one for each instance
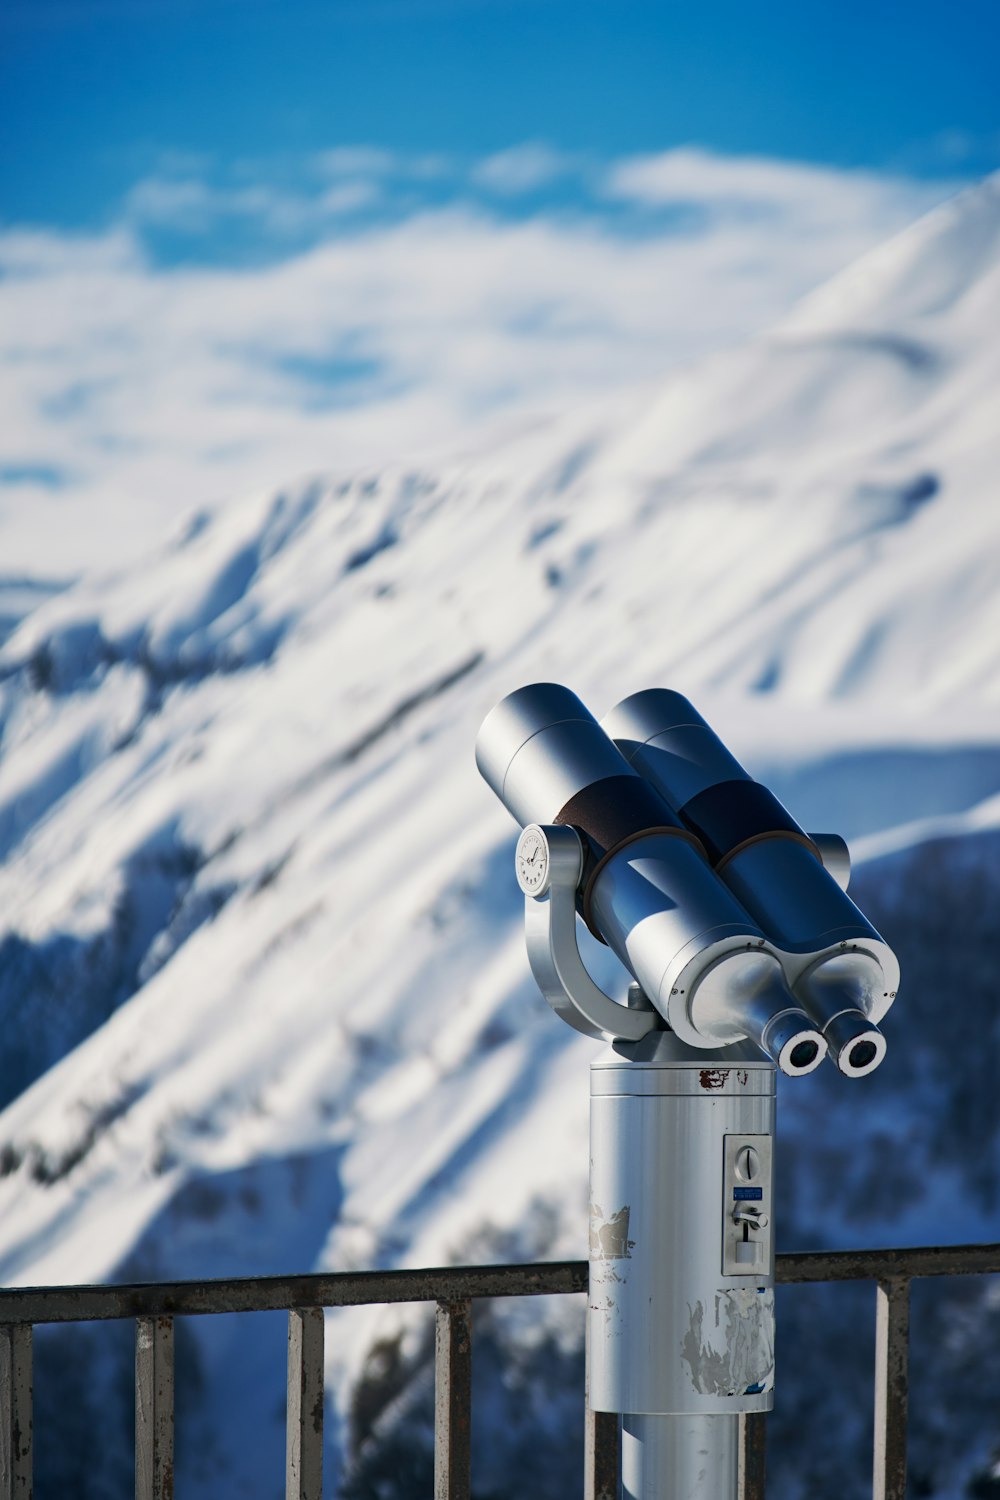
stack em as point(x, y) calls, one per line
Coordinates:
point(271, 999)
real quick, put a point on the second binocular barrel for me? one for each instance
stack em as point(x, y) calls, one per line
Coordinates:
point(842, 972)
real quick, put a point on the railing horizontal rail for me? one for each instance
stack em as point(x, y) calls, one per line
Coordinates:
point(84, 1304)
point(881, 1265)
point(69, 1304)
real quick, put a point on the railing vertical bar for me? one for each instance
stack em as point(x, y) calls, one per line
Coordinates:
point(453, 1401)
point(15, 1411)
point(602, 1440)
point(304, 1436)
point(892, 1341)
point(752, 1455)
point(154, 1408)
point(603, 1455)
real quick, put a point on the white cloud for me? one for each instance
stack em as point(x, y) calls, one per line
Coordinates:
point(355, 161)
point(187, 196)
point(803, 197)
point(193, 206)
point(348, 197)
point(29, 253)
point(525, 168)
point(152, 389)
point(173, 200)
point(372, 163)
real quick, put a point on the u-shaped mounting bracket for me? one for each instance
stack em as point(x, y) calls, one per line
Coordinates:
point(550, 930)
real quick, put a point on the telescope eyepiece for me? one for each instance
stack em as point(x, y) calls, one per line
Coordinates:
point(744, 994)
point(856, 1044)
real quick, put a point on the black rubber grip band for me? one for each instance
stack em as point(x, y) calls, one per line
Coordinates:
point(615, 808)
point(728, 816)
point(613, 812)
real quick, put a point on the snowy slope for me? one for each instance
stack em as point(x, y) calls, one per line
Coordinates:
point(266, 1003)
point(20, 595)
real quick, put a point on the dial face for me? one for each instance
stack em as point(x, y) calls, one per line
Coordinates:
point(532, 861)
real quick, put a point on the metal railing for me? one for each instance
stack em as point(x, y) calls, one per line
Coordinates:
point(154, 1306)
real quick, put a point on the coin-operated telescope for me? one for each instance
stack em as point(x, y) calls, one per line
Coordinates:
point(747, 957)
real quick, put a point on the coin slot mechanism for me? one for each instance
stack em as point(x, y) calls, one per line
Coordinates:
point(747, 1239)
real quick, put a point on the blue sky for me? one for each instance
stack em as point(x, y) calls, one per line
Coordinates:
point(243, 241)
point(94, 93)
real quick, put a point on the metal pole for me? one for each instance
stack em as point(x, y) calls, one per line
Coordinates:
point(680, 1458)
point(681, 1336)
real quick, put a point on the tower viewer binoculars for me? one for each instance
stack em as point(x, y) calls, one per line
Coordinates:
point(734, 922)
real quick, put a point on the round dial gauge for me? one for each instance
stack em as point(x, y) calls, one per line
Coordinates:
point(531, 861)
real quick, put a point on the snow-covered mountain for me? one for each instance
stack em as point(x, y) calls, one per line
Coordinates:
point(265, 1000)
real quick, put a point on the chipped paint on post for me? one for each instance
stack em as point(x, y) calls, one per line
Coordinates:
point(731, 1351)
point(609, 1235)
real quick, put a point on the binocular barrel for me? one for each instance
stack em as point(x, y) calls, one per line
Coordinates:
point(841, 971)
point(648, 891)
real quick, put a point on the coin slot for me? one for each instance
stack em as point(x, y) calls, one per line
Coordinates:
point(746, 1228)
